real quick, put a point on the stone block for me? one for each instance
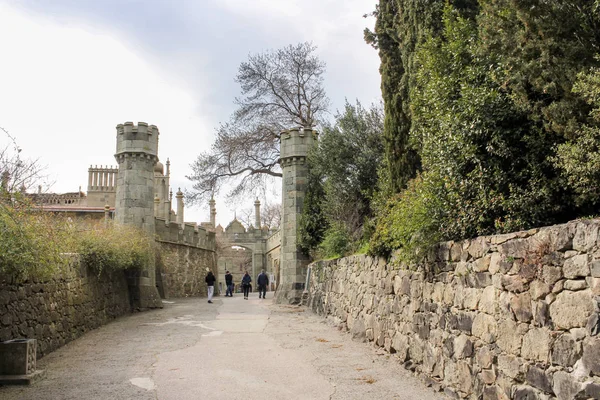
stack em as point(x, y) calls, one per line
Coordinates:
point(514, 283)
point(485, 357)
point(538, 378)
point(572, 309)
point(592, 390)
point(482, 264)
point(551, 274)
point(593, 324)
point(595, 268)
point(521, 307)
point(18, 357)
point(488, 303)
point(536, 345)
point(509, 339)
point(487, 376)
point(517, 248)
point(565, 351)
point(485, 327)
point(591, 355)
point(511, 366)
point(541, 315)
point(539, 289)
point(565, 386)
point(494, 393)
point(576, 267)
point(575, 285)
point(463, 347)
point(523, 392)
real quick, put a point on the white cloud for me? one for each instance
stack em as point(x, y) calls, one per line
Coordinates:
point(64, 89)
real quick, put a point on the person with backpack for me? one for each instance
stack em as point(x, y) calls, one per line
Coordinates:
point(246, 284)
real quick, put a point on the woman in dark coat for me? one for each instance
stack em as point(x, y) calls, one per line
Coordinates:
point(246, 284)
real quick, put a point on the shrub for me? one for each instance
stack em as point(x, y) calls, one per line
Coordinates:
point(115, 247)
point(31, 243)
point(336, 242)
point(411, 221)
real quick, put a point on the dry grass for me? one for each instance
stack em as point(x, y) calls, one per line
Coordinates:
point(322, 340)
point(336, 346)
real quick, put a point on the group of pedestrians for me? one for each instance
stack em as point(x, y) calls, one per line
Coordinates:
point(262, 280)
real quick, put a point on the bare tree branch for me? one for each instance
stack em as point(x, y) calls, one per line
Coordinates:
point(18, 173)
point(279, 89)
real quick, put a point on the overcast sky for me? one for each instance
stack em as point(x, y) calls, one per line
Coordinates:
point(71, 70)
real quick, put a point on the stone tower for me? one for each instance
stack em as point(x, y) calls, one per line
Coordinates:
point(137, 149)
point(295, 144)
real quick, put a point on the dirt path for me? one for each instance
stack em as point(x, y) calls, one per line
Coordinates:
point(234, 348)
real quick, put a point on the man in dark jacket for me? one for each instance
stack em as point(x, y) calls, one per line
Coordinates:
point(262, 281)
point(229, 284)
point(210, 285)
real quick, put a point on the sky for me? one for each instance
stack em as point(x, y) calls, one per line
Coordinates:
point(71, 70)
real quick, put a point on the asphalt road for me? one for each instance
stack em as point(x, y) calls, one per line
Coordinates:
point(231, 349)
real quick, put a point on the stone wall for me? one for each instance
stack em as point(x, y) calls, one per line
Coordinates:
point(191, 234)
point(182, 269)
point(62, 308)
point(508, 316)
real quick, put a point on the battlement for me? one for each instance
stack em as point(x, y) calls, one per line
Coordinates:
point(296, 142)
point(191, 234)
point(140, 138)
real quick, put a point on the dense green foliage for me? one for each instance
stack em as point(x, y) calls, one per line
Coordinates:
point(115, 247)
point(30, 243)
point(503, 141)
point(35, 244)
point(342, 180)
point(579, 158)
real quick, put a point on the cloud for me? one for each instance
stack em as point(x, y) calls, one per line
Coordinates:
point(64, 89)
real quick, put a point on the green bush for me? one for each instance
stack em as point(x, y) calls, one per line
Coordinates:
point(115, 247)
point(411, 221)
point(31, 243)
point(336, 242)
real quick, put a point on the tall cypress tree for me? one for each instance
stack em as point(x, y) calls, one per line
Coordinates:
point(400, 27)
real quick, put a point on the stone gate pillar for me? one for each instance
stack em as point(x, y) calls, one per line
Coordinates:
point(295, 144)
point(137, 149)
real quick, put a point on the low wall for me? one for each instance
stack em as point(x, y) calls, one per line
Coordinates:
point(61, 309)
point(509, 316)
point(182, 268)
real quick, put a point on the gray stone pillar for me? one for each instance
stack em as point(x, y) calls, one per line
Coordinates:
point(295, 145)
point(213, 212)
point(137, 149)
point(257, 214)
point(179, 197)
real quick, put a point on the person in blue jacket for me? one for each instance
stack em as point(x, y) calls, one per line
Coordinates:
point(262, 281)
point(246, 284)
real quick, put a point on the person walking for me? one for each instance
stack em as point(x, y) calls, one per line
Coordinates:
point(262, 281)
point(229, 284)
point(210, 285)
point(246, 284)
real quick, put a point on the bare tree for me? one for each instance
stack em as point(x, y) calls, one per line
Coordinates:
point(16, 172)
point(280, 89)
point(270, 216)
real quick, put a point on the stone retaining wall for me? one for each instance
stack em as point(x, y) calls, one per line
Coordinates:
point(182, 269)
point(61, 309)
point(509, 316)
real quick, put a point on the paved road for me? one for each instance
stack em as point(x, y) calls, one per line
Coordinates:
point(232, 349)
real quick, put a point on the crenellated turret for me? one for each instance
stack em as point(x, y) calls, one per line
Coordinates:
point(295, 145)
point(137, 149)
